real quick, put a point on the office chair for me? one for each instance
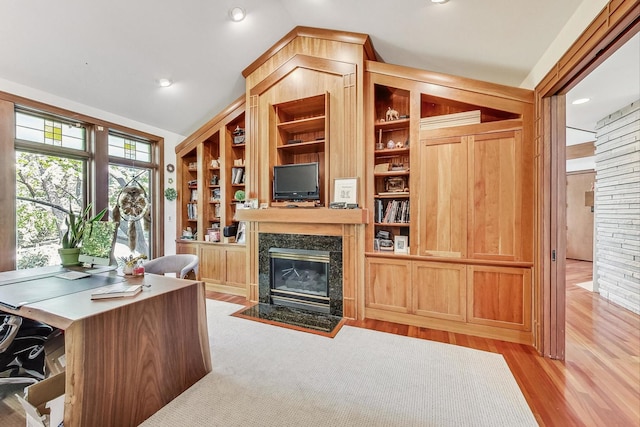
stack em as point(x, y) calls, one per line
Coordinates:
point(22, 357)
point(180, 264)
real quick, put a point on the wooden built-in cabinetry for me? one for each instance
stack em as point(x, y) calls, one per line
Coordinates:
point(464, 150)
point(211, 169)
point(446, 162)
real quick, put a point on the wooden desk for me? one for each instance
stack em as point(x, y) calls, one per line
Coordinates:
point(127, 358)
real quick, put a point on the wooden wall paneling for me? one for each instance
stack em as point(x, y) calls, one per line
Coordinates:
point(388, 284)
point(439, 290)
point(496, 196)
point(8, 195)
point(499, 296)
point(443, 197)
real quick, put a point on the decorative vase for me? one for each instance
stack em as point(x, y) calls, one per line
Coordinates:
point(127, 269)
point(69, 256)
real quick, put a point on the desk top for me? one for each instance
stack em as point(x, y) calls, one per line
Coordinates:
point(61, 311)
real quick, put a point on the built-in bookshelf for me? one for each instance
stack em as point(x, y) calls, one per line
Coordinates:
point(392, 166)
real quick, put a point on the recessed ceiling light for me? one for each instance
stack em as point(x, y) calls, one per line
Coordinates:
point(581, 101)
point(165, 82)
point(439, 1)
point(237, 14)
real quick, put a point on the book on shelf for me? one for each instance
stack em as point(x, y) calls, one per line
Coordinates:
point(237, 175)
point(192, 210)
point(116, 291)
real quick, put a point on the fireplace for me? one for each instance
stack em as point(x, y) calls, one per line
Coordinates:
point(322, 288)
point(299, 278)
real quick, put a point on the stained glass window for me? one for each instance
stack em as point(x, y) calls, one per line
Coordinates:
point(48, 131)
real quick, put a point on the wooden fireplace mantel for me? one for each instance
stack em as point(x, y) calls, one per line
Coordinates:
point(304, 215)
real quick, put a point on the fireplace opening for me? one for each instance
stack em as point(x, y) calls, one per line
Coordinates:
point(299, 278)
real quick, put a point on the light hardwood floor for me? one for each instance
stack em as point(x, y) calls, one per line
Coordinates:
point(597, 385)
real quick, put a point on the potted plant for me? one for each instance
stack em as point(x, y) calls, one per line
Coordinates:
point(72, 237)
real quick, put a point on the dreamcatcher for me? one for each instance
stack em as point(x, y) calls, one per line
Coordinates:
point(133, 206)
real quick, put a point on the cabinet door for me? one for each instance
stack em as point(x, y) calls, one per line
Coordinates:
point(443, 197)
point(387, 286)
point(235, 267)
point(499, 296)
point(439, 290)
point(211, 263)
point(495, 196)
point(187, 248)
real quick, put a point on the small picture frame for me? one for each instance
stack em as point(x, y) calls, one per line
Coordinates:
point(401, 245)
point(240, 234)
point(345, 190)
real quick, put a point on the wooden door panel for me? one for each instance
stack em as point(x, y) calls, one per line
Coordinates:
point(495, 196)
point(387, 284)
point(439, 290)
point(443, 199)
point(499, 296)
point(579, 216)
point(211, 265)
point(236, 267)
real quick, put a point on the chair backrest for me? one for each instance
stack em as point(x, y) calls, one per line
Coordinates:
point(180, 264)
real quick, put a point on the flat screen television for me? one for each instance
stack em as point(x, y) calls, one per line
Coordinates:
point(296, 182)
point(98, 241)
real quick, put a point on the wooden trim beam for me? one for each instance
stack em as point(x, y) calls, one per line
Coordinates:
point(578, 151)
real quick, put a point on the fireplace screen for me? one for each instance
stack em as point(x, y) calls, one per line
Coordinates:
point(299, 278)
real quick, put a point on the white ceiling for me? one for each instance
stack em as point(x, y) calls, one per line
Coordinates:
point(109, 55)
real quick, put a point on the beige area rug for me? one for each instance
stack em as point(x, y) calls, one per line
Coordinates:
point(586, 285)
point(265, 375)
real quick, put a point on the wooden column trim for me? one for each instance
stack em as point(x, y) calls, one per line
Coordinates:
point(8, 193)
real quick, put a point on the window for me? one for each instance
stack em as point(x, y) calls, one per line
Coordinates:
point(49, 131)
point(47, 187)
point(62, 164)
point(130, 186)
point(128, 148)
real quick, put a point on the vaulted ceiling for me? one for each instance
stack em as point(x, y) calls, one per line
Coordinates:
point(110, 55)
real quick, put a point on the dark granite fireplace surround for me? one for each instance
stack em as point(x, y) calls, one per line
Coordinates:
point(331, 244)
point(323, 323)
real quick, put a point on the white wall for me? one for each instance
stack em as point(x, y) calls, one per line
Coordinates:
point(170, 141)
point(581, 19)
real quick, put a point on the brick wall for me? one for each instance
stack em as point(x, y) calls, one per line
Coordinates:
point(617, 207)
